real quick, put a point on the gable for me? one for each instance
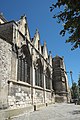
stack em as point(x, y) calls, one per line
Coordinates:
point(36, 40)
point(22, 24)
point(2, 19)
point(45, 51)
point(28, 34)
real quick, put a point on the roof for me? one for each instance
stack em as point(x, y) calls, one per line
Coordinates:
point(2, 17)
point(58, 57)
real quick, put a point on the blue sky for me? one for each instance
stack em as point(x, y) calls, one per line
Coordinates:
point(39, 16)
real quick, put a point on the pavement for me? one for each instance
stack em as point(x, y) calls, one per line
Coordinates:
point(57, 111)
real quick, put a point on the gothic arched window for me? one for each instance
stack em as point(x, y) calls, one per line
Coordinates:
point(47, 78)
point(24, 66)
point(39, 73)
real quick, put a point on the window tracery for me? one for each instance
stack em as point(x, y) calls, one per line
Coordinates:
point(47, 78)
point(39, 73)
point(24, 65)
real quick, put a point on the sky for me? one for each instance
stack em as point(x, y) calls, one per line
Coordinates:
point(39, 17)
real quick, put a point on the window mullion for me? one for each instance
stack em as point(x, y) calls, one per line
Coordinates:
point(25, 71)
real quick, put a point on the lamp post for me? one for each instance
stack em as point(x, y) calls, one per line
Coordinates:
point(71, 77)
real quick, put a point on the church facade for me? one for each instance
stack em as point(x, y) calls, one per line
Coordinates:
point(26, 68)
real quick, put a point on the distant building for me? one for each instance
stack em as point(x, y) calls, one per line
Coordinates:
point(28, 74)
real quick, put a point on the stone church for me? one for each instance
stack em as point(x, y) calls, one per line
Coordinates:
point(29, 75)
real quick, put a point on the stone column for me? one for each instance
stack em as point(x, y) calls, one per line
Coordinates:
point(51, 80)
point(44, 83)
point(44, 92)
point(32, 79)
point(33, 84)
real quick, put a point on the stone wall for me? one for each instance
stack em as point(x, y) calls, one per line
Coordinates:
point(19, 95)
point(6, 32)
point(5, 71)
point(60, 99)
point(48, 96)
point(38, 97)
point(14, 64)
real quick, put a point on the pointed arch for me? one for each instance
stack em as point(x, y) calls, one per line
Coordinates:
point(47, 78)
point(39, 73)
point(24, 65)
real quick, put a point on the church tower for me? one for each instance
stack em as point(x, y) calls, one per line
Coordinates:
point(60, 80)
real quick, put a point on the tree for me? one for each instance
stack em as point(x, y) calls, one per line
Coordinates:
point(69, 15)
point(79, 81)
point(79, 85)
point(74, 91)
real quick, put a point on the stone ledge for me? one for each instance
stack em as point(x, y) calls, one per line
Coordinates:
point(11, 113)
point(50, 103)
point(19, 83)
point(39, 106)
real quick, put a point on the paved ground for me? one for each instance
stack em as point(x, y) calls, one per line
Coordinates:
point(54, 112)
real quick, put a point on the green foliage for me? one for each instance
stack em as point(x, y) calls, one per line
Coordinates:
point(79, 86)
point(79, 81)
point(70, 16)
point(74, 91)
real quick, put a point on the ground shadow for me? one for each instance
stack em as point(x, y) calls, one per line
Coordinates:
point(76, 112)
